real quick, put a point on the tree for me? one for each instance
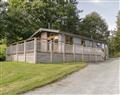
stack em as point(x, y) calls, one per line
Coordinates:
point(68, 16)
point(95, 27)
point(114, 41)
point(3, 6)
point(117, 38)
point(22, 20)
point(26, 16)
point(118, 23)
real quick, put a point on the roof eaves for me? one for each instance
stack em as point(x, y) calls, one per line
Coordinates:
point(44, 30)
point(35, 33)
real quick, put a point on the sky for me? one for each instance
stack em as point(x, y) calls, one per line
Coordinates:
point(108, 9)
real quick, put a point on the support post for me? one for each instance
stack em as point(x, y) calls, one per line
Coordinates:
point(95, 54)
point(35, 50)
point(63, 51)
point(82, 53)
point(25, 51)
point(104, 52)
point(74, 51)
point(17, 52)
point(51, 51)
point(107, 52)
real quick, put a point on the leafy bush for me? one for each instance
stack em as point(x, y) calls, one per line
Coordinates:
point(117, 54)
point(2, 52)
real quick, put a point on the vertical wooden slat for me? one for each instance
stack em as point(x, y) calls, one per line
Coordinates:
point(25, 51)
point(17, 52)
point(51, 51)
point(82, 53)
point(63, 51)
point(35, 50)
point(74, 52)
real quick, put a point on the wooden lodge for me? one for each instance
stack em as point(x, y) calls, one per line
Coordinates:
point(48, 45)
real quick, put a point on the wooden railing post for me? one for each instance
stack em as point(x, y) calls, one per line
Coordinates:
point(74, 52)
point(51, 51)
point(35, 50)
point(82, 53)
point(63, 51)
point(25, 51)
point(95, 54)
point(17, 52)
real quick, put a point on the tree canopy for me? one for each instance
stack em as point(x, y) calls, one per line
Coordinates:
point(117, 37)
point(94, 26)
point(2, 18)
point(26, 16)
point(114, 43)
point(21, 18)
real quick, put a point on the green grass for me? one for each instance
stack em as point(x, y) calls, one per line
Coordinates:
point(18, 77)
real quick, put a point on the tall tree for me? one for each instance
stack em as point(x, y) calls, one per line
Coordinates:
point(95, 27)
point(117, 38)
point(22, 19)
point(118, 23)
point(114, 42)
point(26, 16)
point(68, 15)
point(3, 9)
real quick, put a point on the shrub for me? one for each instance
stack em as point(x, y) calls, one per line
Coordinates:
point(2, 52)
point(117, 54)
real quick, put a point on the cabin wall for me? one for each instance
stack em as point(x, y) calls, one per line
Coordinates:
point(44, 42)
point(76, 40)
point(77, 45)
point(61, 41)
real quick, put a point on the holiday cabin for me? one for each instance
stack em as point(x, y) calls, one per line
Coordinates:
point(49, 45)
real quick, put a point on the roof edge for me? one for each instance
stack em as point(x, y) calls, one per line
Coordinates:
point(44, 30)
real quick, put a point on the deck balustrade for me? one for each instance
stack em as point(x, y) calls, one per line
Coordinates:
point(37, 45)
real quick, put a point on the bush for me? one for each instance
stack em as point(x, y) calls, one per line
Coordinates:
point(2, 52)
point(117, 54)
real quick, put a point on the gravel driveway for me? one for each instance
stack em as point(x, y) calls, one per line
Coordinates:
point(95, 79)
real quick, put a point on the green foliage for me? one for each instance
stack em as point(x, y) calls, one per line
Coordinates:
point(2, 19)
point(18, 77)
point(114, 43)
point(95, 27)
point(26, 16)
point(2, 52)
point(117, 37)
point(118, 23)
point(23, 17)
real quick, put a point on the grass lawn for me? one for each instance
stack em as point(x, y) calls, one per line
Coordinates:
point(19, 77)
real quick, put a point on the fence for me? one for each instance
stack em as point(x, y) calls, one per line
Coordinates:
point(42, 50)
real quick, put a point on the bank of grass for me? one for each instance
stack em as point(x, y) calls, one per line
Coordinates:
point(19, 77)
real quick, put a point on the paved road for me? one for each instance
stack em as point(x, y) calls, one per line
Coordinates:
point(95, 79)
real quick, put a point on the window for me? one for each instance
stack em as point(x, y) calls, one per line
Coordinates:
point(53, 37)
point(68, 40)
point(99, 45)
point(56, 39)
point(82, 42)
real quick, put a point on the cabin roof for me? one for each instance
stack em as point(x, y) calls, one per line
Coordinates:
point(44, 30)
point(61, 32)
